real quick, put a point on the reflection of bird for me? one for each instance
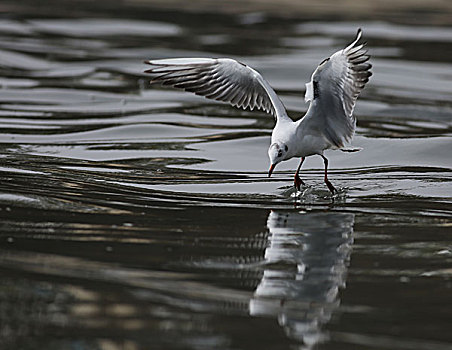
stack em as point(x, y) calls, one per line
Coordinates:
point(332, 92)
point(305, 265)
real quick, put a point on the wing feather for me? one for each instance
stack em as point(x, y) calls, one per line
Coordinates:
point(339, 81)
point(221, 79)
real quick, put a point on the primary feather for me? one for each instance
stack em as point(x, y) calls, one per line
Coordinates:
point(221, 79)
point(334, 88)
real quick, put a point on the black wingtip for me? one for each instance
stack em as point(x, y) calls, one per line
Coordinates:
point(359, 32)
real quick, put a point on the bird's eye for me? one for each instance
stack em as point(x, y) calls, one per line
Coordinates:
point(279, 153)
point(325, 60)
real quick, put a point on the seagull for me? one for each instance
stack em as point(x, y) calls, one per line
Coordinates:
point(332, 93)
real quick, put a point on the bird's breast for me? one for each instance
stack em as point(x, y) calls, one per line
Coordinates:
point(309, 145)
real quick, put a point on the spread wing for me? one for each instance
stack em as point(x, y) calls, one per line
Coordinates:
point(333, 91)
point(221, 79)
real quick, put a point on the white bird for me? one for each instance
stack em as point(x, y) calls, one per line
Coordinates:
point(332, 92)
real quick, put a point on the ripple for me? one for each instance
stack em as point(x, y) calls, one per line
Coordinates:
point(90, 27)
point(133, 216)
point(381, 30)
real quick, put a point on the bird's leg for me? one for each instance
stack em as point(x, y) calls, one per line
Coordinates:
point(328, 183)
point(297, 181)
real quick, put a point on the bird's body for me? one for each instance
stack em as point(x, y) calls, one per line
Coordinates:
point(332, 92)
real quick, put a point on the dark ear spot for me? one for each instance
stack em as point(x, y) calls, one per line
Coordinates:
point(286, 148)
point(316, 89)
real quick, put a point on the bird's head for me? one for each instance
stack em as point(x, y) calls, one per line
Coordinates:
point(277, 153)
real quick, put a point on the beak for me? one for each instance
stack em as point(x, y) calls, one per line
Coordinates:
point(271, 170)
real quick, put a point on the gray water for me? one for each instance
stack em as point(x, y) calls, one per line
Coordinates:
point(136, 217)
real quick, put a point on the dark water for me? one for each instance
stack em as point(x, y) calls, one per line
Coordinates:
point(134, 217)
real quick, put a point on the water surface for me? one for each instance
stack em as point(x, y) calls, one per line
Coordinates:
point(137, 217)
